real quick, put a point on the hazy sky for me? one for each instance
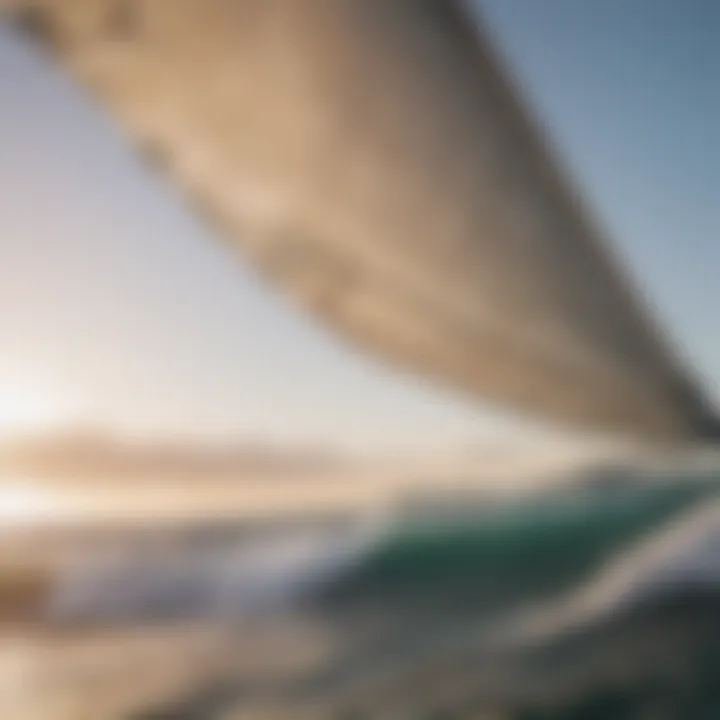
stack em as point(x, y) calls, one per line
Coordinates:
point(116, 304)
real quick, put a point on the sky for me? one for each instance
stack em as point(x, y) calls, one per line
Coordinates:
point(118, 307)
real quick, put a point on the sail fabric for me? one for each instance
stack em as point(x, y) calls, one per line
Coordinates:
point(370, 157)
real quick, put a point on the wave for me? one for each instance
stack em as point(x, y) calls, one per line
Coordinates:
point(481, 558)
point(513, 603)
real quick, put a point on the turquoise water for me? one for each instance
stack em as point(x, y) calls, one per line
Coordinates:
point(432, 576)
point(533, 546)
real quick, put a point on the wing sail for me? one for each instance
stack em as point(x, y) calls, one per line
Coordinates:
point(370, 157)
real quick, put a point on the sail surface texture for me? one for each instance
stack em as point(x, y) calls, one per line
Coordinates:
point(371, 158)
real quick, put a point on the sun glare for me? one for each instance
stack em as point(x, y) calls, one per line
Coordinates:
point(20, 504)
point(23, 411)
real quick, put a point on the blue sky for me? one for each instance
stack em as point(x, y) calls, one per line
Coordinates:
point(116, 305)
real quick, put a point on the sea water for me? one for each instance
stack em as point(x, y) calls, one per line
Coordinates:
point(589, 599)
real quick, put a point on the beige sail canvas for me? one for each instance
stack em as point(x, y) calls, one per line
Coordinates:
point(372, 159)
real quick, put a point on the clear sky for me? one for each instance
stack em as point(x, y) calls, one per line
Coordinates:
point(116, 305)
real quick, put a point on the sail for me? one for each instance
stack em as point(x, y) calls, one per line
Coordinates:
point(372, 159)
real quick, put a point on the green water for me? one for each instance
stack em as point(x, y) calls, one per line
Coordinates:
point(534, 546)
point(487, 560)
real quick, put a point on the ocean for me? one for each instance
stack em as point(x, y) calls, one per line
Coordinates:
point(598, 597)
